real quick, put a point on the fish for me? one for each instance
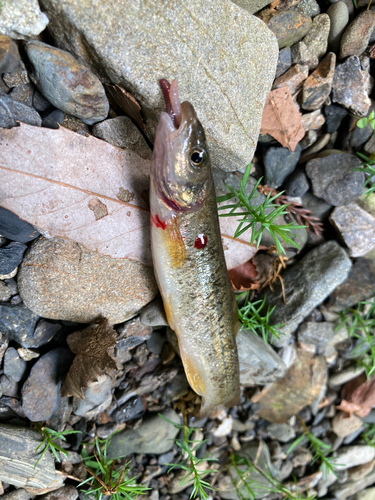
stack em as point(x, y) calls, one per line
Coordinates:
point(188, 255)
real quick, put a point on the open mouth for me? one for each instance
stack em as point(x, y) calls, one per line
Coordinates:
point(172, 100)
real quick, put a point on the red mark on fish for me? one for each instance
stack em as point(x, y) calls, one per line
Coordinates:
point(157, 222)
point(201, 241)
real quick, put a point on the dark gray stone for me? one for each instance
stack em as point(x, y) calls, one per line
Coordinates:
point(19, 494)
point(339, 16)
point(279, 163)
point(13, 228)
point(12, 112)
point(40, 103)
point(132, 409)
point(153, 314)
point(297, 183)
point(23, 94)
point(155, 343)
point(284, 61)
point(155, 436)
point(333, 178)
point(52, 119)
point(319, 334)
point(175, 389)
point(41, 391)
point(5, 293)
point(67, 492)
point(307, 284)
point(14, 366)
point(259, 363)
point(281, 432)
point(8, 387)
point(18, 323)
point(11, 257)
point(44, 332)
point(334, 116)
point(67, 84)
point(318, 207)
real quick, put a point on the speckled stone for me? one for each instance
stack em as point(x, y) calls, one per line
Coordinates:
point(103, 287)
point(356, 227)
point(356, 37)
point(314, 44)
point(350, 87)
point(251, 5)
point(21, 19)
point(122, 132)
point(309, 7)
point(284, 61)
point(313, 120)
point(225, 62)
point(288, 26)
point(12, 112)
point(334, 180)
point(339, 16)
point(67, 84)
point(317, 87)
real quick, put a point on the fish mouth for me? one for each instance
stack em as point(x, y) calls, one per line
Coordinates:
point(172, 101)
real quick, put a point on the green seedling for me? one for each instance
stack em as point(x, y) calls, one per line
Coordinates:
point(108, 479)
point(49, 442)
point(255, 317)
point(367, 120)
point(256, 218)
point(191, 463)
point(320, 450)
point(369, 170)
point(360, 324)
point(369, 435)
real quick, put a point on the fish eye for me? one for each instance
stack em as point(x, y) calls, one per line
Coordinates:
point(198, 157)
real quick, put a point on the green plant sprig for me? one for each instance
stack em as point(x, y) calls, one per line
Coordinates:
point(107, 480)
point(319, 448)
point(360, 324)
point(48, 443)
point(190, 464)
point(369, 435)
point(250, 215)
point(274, 485)
point(369, 170)
point(251, 317)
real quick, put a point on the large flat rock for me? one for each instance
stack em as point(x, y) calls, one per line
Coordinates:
point(223, 58)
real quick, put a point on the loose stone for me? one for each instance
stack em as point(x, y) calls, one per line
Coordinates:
point(22, 19)
point(339, 16)
point(357, 35)
point(318, 85)
point(350, 86)
point(18, 323)
point(155, 435)
point(41, 391)
point(343, 426)
point(13, 228)
point(334, 115)
point(122, 132)
point(259, 363)
point(9, 55)
point(309, 7)
point(98, 397)
point(314, 44)
point(356, 227)
point(293, 78)
point(67, 84)
point(281, 432)
point(153, 314)
point(11, 257)
point(297, 183)
point(114, 288)
point(12, 112)
point(279, 163)
point(14, 365)
point(288, 26)
point(284, 62)
point(313, 120)
point(307, 284)
point(334, 180)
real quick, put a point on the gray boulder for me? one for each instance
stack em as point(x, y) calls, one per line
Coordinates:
point(223, 57)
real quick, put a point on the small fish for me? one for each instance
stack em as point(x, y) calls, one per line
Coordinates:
point(188, 255)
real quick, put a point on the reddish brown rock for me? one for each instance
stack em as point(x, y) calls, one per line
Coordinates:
point(293, 78)
point(318, 85)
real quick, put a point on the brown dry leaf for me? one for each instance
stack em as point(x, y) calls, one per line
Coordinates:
point(358, 396)
point(243, 277)
point(281, 118)
point(124, 101)
point(91, 361)
point(88, 191)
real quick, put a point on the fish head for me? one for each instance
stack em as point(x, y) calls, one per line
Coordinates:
point(181, 170)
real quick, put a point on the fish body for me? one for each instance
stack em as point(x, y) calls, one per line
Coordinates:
point(188, 256)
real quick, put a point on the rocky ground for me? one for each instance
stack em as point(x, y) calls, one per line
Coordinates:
point(316, 378)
